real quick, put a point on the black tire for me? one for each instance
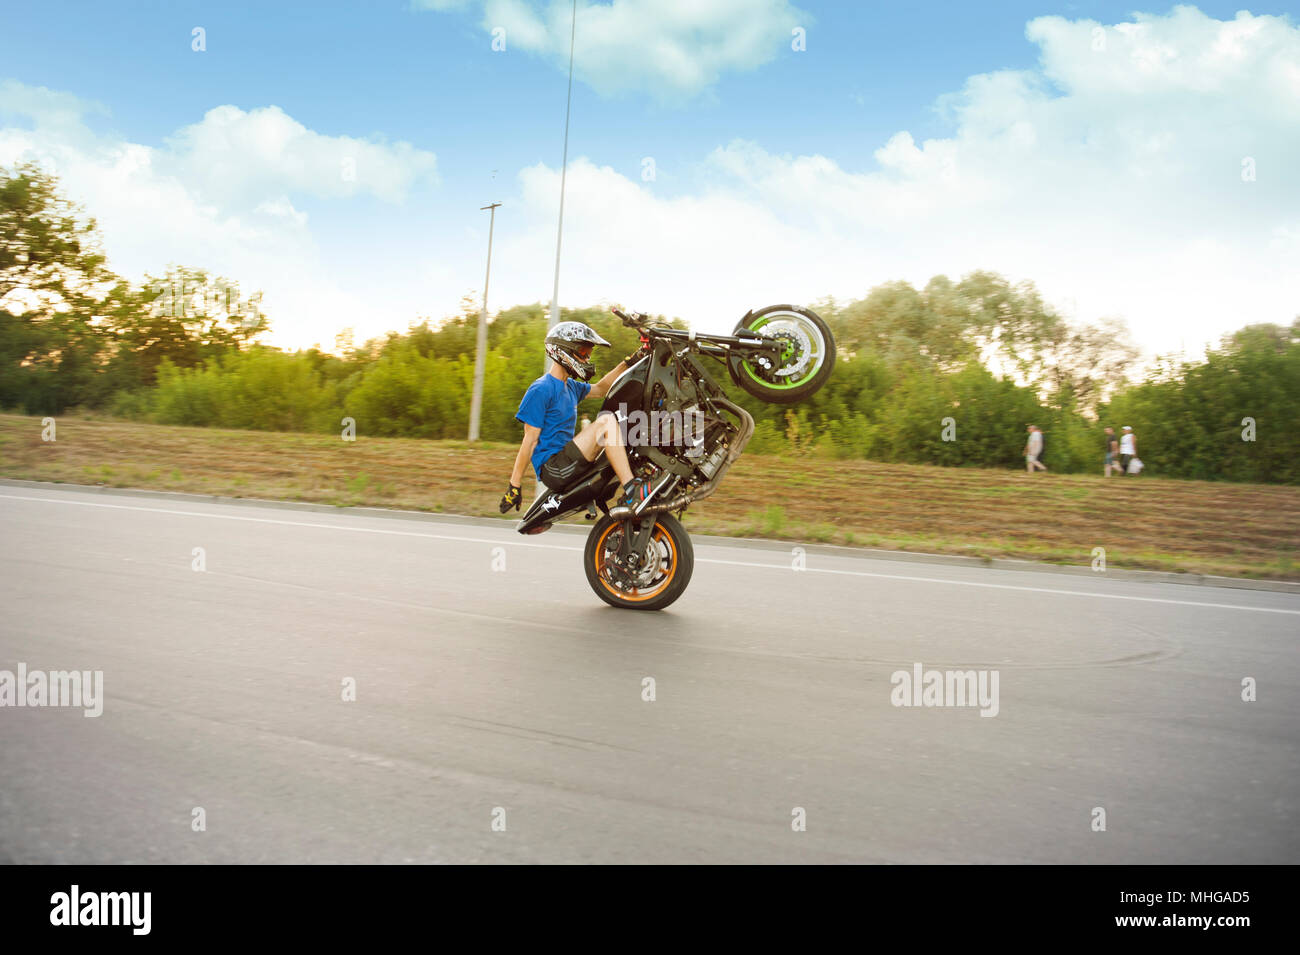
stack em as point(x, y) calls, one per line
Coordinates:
point(673, 543)
point(748, 376)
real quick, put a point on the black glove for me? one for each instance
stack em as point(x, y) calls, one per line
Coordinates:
point(512, 498)
point(637, 355)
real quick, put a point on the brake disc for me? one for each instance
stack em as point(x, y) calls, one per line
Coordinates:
point(651, 560)
point(791, 332)
point(643, 575)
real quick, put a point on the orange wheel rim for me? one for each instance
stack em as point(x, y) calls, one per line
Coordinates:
point(637, 595)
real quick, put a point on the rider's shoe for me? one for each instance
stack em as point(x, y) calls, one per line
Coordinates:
point(634, 492)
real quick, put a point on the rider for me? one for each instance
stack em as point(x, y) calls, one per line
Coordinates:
point(549, 412)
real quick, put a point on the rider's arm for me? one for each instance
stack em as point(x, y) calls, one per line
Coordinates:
point(531, 434)
point(601, 388)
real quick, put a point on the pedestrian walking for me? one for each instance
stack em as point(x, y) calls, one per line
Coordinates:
point(1128, 450)
point(1112, 452)
point(1033, 450)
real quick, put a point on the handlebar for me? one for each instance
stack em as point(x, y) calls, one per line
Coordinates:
point(719, 346)
point(635, 320)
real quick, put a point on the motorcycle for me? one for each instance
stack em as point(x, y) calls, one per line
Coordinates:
point(682, 433)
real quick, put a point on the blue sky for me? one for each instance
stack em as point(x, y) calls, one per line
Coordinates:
point(759, 150)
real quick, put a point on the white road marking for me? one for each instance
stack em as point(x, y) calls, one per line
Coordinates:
point(1037, 590)
point(701, 560)
point(271, 520)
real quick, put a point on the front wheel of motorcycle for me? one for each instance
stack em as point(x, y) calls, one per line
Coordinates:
point(806, 359)
point(660, 574)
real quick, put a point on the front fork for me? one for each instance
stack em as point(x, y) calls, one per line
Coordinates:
point(636, 538)
point(638, 528)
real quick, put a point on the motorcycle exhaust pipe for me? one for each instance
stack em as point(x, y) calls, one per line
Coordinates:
point(704, 490)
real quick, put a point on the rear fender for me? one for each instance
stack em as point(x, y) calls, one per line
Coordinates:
point(551, 506)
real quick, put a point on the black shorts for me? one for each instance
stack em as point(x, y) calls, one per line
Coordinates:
point(560, 469)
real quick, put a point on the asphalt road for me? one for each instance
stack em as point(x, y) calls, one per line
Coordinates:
point(515, 694)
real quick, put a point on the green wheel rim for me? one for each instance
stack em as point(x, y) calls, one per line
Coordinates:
point(812, 369)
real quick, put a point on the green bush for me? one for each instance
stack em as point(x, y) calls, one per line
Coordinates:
point(766, 440)
point(134, 405)
point(261, 390)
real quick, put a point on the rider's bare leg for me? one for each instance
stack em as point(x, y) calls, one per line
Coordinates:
point(604, 433)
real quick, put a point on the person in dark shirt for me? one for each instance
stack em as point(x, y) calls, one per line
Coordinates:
point(1112, 453)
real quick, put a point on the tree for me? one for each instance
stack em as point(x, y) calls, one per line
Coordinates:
point(53, 286)
point(50, 258)
point(184, 316)
point(1081, 365)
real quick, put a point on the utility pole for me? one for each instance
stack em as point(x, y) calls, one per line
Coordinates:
point(480, 350)
point(564, 171)
point(559, 229)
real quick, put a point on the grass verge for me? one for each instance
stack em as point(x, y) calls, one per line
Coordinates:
point(1237, 530)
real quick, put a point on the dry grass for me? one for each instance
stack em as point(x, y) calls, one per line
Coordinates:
point(1202, 527)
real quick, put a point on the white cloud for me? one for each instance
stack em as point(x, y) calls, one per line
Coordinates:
point(232, 154)
point(672, 49)
point(55, 109)
point(219, 196)
point(705, 257)
point(1112, 178)
point(282, 208)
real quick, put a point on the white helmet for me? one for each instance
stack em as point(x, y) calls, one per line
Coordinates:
point(571, 344)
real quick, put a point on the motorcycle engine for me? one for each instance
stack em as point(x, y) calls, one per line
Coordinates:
point(704, 441)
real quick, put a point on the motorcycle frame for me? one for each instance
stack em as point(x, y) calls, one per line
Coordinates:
point(598, 486)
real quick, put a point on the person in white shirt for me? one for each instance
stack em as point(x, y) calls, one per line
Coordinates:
point(1128, 449)
point(1033, 448)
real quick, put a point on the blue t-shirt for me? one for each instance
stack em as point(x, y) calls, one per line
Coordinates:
point(552, 405)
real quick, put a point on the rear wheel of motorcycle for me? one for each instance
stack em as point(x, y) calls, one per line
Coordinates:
point(676, 561)
point(800, 329)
